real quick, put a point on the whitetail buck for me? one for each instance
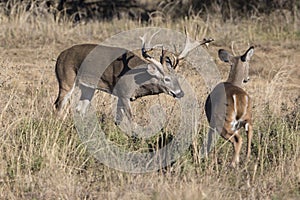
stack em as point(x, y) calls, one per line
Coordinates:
point(127, 76)
point(228, 106)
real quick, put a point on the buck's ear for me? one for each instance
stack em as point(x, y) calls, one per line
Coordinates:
point(248, 54)
point(224, 55)
point(153, 71)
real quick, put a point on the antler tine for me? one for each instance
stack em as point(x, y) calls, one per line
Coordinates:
point(148, 45)
point(188, 46)
point(197, 31)
point(144, 51)
point(143, 38)
point(150, 39)
point(162, 54)
point(206, 41)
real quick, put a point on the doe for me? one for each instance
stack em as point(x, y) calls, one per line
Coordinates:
point(228, 106)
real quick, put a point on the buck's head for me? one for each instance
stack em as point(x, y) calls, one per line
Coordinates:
point(164, 77)
point(164, 69)
point(239, 72)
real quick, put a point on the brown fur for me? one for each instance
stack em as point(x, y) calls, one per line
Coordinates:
point(124, 72)
point(225, 115)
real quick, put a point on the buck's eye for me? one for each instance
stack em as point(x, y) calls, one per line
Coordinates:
point(168, 60)
point(167, 79)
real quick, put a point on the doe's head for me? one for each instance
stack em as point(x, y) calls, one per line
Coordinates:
point(239, 72)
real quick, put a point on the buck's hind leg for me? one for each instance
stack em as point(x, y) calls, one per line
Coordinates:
point(58, 102)
point(64, 94)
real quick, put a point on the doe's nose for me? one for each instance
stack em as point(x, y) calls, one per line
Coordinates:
point(246, 80)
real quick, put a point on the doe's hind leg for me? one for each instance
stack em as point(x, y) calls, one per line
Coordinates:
point(249, 131)
point(237, 141)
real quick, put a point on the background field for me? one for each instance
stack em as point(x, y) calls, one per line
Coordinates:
point(41, 156)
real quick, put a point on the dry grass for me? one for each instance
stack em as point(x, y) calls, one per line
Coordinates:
point(41, 157)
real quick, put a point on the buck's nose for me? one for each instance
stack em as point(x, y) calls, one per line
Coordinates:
point(179, 94)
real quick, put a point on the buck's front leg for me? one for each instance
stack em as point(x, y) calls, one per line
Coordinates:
point(87, 94)
point(123, 109)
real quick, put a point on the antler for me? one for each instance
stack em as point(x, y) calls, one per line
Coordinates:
point(206, 41)
point(189, 46)
point(145, 52)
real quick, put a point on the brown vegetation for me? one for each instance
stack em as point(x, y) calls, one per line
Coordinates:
point(41, 156)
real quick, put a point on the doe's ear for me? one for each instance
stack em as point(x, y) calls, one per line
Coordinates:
point(248, 54)
point(224, 55)
point(153, 71)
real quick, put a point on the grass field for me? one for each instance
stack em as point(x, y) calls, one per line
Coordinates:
point(41, 156)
